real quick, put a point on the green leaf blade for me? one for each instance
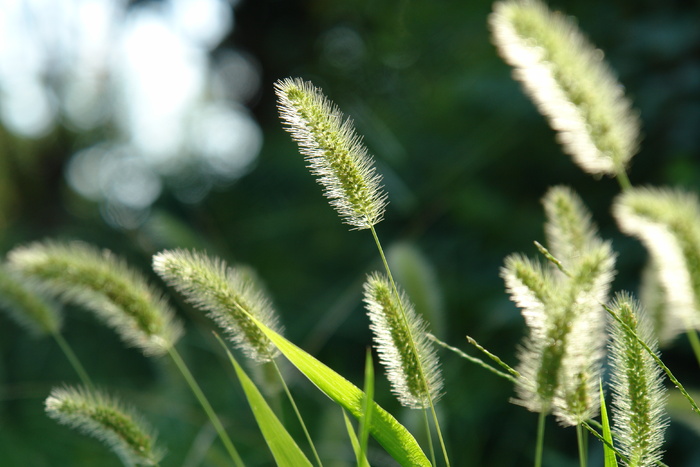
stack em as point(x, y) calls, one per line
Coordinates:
point(393, 436)
point(283, 447)
point(610, 459)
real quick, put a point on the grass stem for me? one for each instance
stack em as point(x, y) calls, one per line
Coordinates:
point(73, 359)
point(197, 391)
point(540, 439)
point(623, 180)
point(398, 298)
point(296, 411)
point(474, 360)
point(582, 446)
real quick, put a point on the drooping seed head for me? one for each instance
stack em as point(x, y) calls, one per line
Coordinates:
point(230, 295)
point(27, 305)
point(667, 222)
point(570, 83)
point(95, 414)
point(97, 280)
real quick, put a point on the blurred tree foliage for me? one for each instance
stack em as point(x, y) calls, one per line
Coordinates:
point(465, 158)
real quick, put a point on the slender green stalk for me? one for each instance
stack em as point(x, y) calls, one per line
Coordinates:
point(73, 359)
point(197, 391)
point(582, 446)
point(422, 375)
point(296, 411)
point(540, 439)
point(494, 357)
point(694, 342)
point(474, 360)
point(430, 437)
point(623, 180)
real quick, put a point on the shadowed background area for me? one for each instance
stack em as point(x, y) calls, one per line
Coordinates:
point(144, 125)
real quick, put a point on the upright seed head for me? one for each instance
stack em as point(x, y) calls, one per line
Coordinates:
point(400, 338)
point(81, 274)
point(570, 83)
point(639, 397)
point(95, 414)
point(334, 152)
point(231, 296)
point(560, 360)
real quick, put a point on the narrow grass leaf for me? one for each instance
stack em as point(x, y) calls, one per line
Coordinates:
point(360, 456)
point(609, 453)
point(283, 447)
point(367, 405)
point(384, 428)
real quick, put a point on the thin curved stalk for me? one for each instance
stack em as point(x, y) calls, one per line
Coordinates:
point(398, 297)
point(180, 363)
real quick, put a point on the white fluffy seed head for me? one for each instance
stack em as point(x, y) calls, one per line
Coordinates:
point(96, 279)
point(569, 82)
point(334, 152)
point(667, 222)
point(96, 414)
point(404, 349)
point(639, 396)
point(230, 296)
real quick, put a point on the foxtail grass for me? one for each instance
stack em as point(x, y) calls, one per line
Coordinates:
point(96, 414)
point(571, 84)
point(99, 281)
point(667, 222)
point(403, 346)
point(561, 302)
point(336, 156)
point(228, 295)
point(234, 299)
point(334, 152)
point(637, 385)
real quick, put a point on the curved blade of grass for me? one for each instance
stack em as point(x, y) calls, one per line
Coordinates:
point(610, 460)
point(361, 458)
point(394, 437)
point(366, 419)
point(283, 447)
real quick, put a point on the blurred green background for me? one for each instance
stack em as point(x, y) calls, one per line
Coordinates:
point(465, 158)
